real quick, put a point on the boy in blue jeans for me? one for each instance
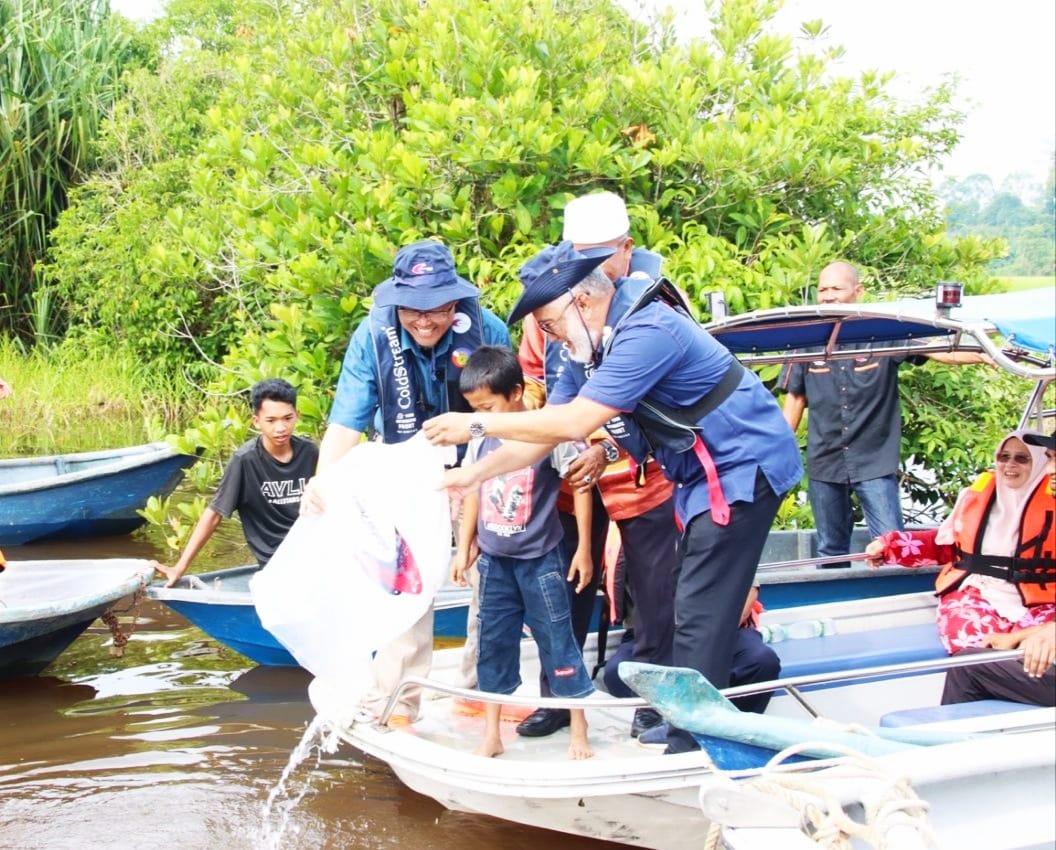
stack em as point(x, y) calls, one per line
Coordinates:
point(512, 519)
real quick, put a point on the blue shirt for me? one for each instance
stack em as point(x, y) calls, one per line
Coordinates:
point(658, 352)
point(356, 400)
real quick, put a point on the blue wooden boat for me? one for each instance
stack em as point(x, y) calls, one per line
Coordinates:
point(221, 605)
point(88, 494)
point(45, 605)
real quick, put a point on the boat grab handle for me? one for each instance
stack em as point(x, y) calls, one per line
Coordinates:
point(594, 701)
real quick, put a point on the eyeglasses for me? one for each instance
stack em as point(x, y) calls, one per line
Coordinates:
point(547, 327)
point(439, 314)
point(1005, 457)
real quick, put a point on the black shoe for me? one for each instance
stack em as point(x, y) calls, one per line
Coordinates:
point(645, 718)
point(543, 722)
point(655, 738)
point(680, 742)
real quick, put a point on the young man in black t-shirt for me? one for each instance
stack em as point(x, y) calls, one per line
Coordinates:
point(263, 481)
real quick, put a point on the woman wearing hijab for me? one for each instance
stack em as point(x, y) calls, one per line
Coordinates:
point(997, 548)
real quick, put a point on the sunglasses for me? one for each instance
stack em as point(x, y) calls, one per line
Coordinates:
point(1005, 457)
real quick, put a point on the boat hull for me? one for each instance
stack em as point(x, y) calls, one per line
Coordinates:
point(83, 495)
point(48, 604)
point(26, 652)
point(220, 603)
point(665, 813)
point(639, 797)
point(664, 817)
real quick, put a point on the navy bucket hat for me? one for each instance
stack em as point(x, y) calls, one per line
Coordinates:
point(553, 272)
point(1045, 441)
point(423, 278)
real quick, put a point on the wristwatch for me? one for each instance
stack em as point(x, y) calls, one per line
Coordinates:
point(612, 453)
point(477, 429)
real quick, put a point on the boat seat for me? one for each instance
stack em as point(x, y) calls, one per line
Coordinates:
point(854, 650)
point(956, 711)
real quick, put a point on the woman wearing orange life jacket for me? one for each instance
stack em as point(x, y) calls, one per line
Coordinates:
point(997, 548)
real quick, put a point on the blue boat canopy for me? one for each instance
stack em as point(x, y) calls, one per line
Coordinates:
point(1018, 330)
point(1025, 319)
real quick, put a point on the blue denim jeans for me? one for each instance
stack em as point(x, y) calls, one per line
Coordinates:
point(831, 504)
point(515, 592)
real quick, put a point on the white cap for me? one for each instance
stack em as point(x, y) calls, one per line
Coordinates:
point(594, 219)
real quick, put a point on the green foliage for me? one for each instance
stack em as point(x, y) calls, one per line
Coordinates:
point(939, 403)
point(1025, 226)
point(60, 65)
point(1017, 284)
point(258, 181)
point(327, 146)
point(177, 517)
point(105, 251)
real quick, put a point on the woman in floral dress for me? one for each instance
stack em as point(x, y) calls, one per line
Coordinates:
point(997, 550)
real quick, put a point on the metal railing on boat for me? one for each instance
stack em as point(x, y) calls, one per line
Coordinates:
point(793, 684)
point(818, 561)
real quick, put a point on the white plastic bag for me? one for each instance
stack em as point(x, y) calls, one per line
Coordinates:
point(347, 581)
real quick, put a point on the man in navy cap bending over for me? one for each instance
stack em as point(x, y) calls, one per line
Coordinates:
point(714, 428)
point(402, 366)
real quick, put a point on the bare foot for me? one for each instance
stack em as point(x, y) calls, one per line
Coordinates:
point(580, 749)
point(491, 747)
point(578, 746)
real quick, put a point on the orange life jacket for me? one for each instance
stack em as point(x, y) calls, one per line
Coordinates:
point(1032, 567)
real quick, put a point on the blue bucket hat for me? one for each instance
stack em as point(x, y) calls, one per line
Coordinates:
point(553, 272)
point(423, 278)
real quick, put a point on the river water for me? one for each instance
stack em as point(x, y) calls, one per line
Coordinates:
point(178, 744)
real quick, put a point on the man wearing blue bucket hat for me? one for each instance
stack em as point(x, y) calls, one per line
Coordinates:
point(403, 365)
point(639, 357)
point(425, 317)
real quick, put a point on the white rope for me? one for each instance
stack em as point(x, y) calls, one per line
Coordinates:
point(887, 814)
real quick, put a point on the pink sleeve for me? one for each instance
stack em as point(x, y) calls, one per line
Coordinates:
point(915, 549)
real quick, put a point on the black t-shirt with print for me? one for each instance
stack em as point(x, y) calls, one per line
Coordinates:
point(266, 493)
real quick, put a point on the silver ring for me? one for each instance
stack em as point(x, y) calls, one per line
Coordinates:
point(588, 479)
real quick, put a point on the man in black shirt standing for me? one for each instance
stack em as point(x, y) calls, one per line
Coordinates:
point(263, 480)
point(854, 431)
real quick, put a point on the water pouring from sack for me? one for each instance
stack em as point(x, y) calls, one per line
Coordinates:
point(349, 580)
point(271, 836)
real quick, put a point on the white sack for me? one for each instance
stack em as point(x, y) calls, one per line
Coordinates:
point(327, 594)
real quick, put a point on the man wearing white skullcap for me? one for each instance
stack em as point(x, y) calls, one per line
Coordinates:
point(600, 221)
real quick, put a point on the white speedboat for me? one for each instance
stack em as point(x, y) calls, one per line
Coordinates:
point(881, 667)
point(978, 775)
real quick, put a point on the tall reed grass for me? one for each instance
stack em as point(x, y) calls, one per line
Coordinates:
point(66, 401)
point(60, 66)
